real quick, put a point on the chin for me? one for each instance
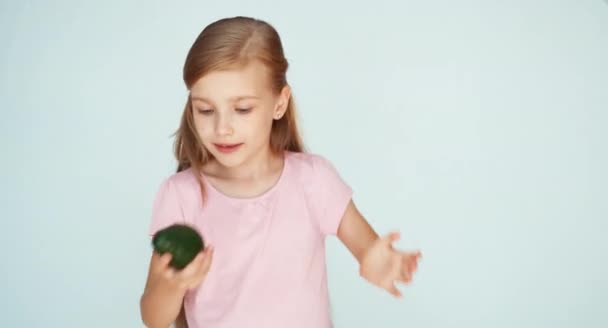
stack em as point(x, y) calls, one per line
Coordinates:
point(233, 159)
point(229, 162)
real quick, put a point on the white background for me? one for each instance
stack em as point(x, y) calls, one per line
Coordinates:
point(476, 128)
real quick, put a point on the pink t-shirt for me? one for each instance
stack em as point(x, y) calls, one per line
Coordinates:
point(268, 268)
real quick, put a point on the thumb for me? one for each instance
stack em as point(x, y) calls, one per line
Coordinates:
point(391, 237)
point(165, 259)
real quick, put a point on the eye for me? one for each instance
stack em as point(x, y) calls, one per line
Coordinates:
point(243, 110)
point(205, 111)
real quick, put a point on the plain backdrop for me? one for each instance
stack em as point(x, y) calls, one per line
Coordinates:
point(475, 128)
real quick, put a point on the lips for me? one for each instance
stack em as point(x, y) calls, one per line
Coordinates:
point(227, 148)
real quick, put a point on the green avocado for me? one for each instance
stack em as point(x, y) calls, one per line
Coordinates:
point(182, 241)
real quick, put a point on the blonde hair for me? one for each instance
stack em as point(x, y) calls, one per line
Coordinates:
point(225, 44)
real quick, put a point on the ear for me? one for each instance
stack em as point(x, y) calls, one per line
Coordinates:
point(283, 101)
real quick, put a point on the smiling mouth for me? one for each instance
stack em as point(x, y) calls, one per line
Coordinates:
point(227, 148)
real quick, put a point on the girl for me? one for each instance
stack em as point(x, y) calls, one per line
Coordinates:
point(262, 204)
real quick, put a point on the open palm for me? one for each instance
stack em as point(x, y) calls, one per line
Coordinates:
point(383, 266)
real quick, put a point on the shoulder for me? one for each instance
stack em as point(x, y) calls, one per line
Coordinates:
point(177, 197)
point(181, 186)
point(325, 190)
point(181, 180)
point(315, 171)
point(309, 164)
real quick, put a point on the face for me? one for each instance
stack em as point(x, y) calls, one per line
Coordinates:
point(233, 112)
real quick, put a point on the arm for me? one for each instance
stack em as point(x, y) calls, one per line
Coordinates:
point(165, 289)
point(160, 303)
point(355, 232)
point(160, 307)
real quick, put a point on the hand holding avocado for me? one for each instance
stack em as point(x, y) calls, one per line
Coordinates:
point(180, 257)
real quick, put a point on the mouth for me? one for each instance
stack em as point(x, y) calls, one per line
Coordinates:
point(227, 148)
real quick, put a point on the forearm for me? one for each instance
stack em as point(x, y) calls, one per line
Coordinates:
point(356, 233)
point(160, 306)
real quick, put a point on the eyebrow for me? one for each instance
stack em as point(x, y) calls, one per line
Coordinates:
point(237, 98)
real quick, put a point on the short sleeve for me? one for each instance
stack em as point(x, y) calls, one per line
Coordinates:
point(167, 208)
point(333, 195)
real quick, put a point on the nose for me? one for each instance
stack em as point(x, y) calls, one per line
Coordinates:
point(223, 126)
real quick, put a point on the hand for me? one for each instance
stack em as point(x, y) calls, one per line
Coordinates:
point(187, 278)
point(382, 265)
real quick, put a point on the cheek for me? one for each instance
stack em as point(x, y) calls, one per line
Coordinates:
point(204, 127)
point(261, 127)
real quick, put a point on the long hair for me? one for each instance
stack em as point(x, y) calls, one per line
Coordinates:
point(225, 44)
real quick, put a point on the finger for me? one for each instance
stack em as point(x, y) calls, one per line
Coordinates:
point(409, 265)
point(405, 275)
point(207, 260)
point(160, 262)
point(415, 261)
point(203, 269)
point(165, 259)
point(193, 266)
point(413, 266)
point(409, 261)
point(391, 237)
point(169, 273)
point(391, 288)
point(164, 267)
point(411, 258)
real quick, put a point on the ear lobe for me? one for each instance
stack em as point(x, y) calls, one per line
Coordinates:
point(282, 105)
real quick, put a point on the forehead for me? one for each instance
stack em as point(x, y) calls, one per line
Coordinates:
point(232, 83)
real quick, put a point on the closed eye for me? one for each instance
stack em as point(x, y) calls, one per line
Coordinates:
point(205, 111)
point(243, 110)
